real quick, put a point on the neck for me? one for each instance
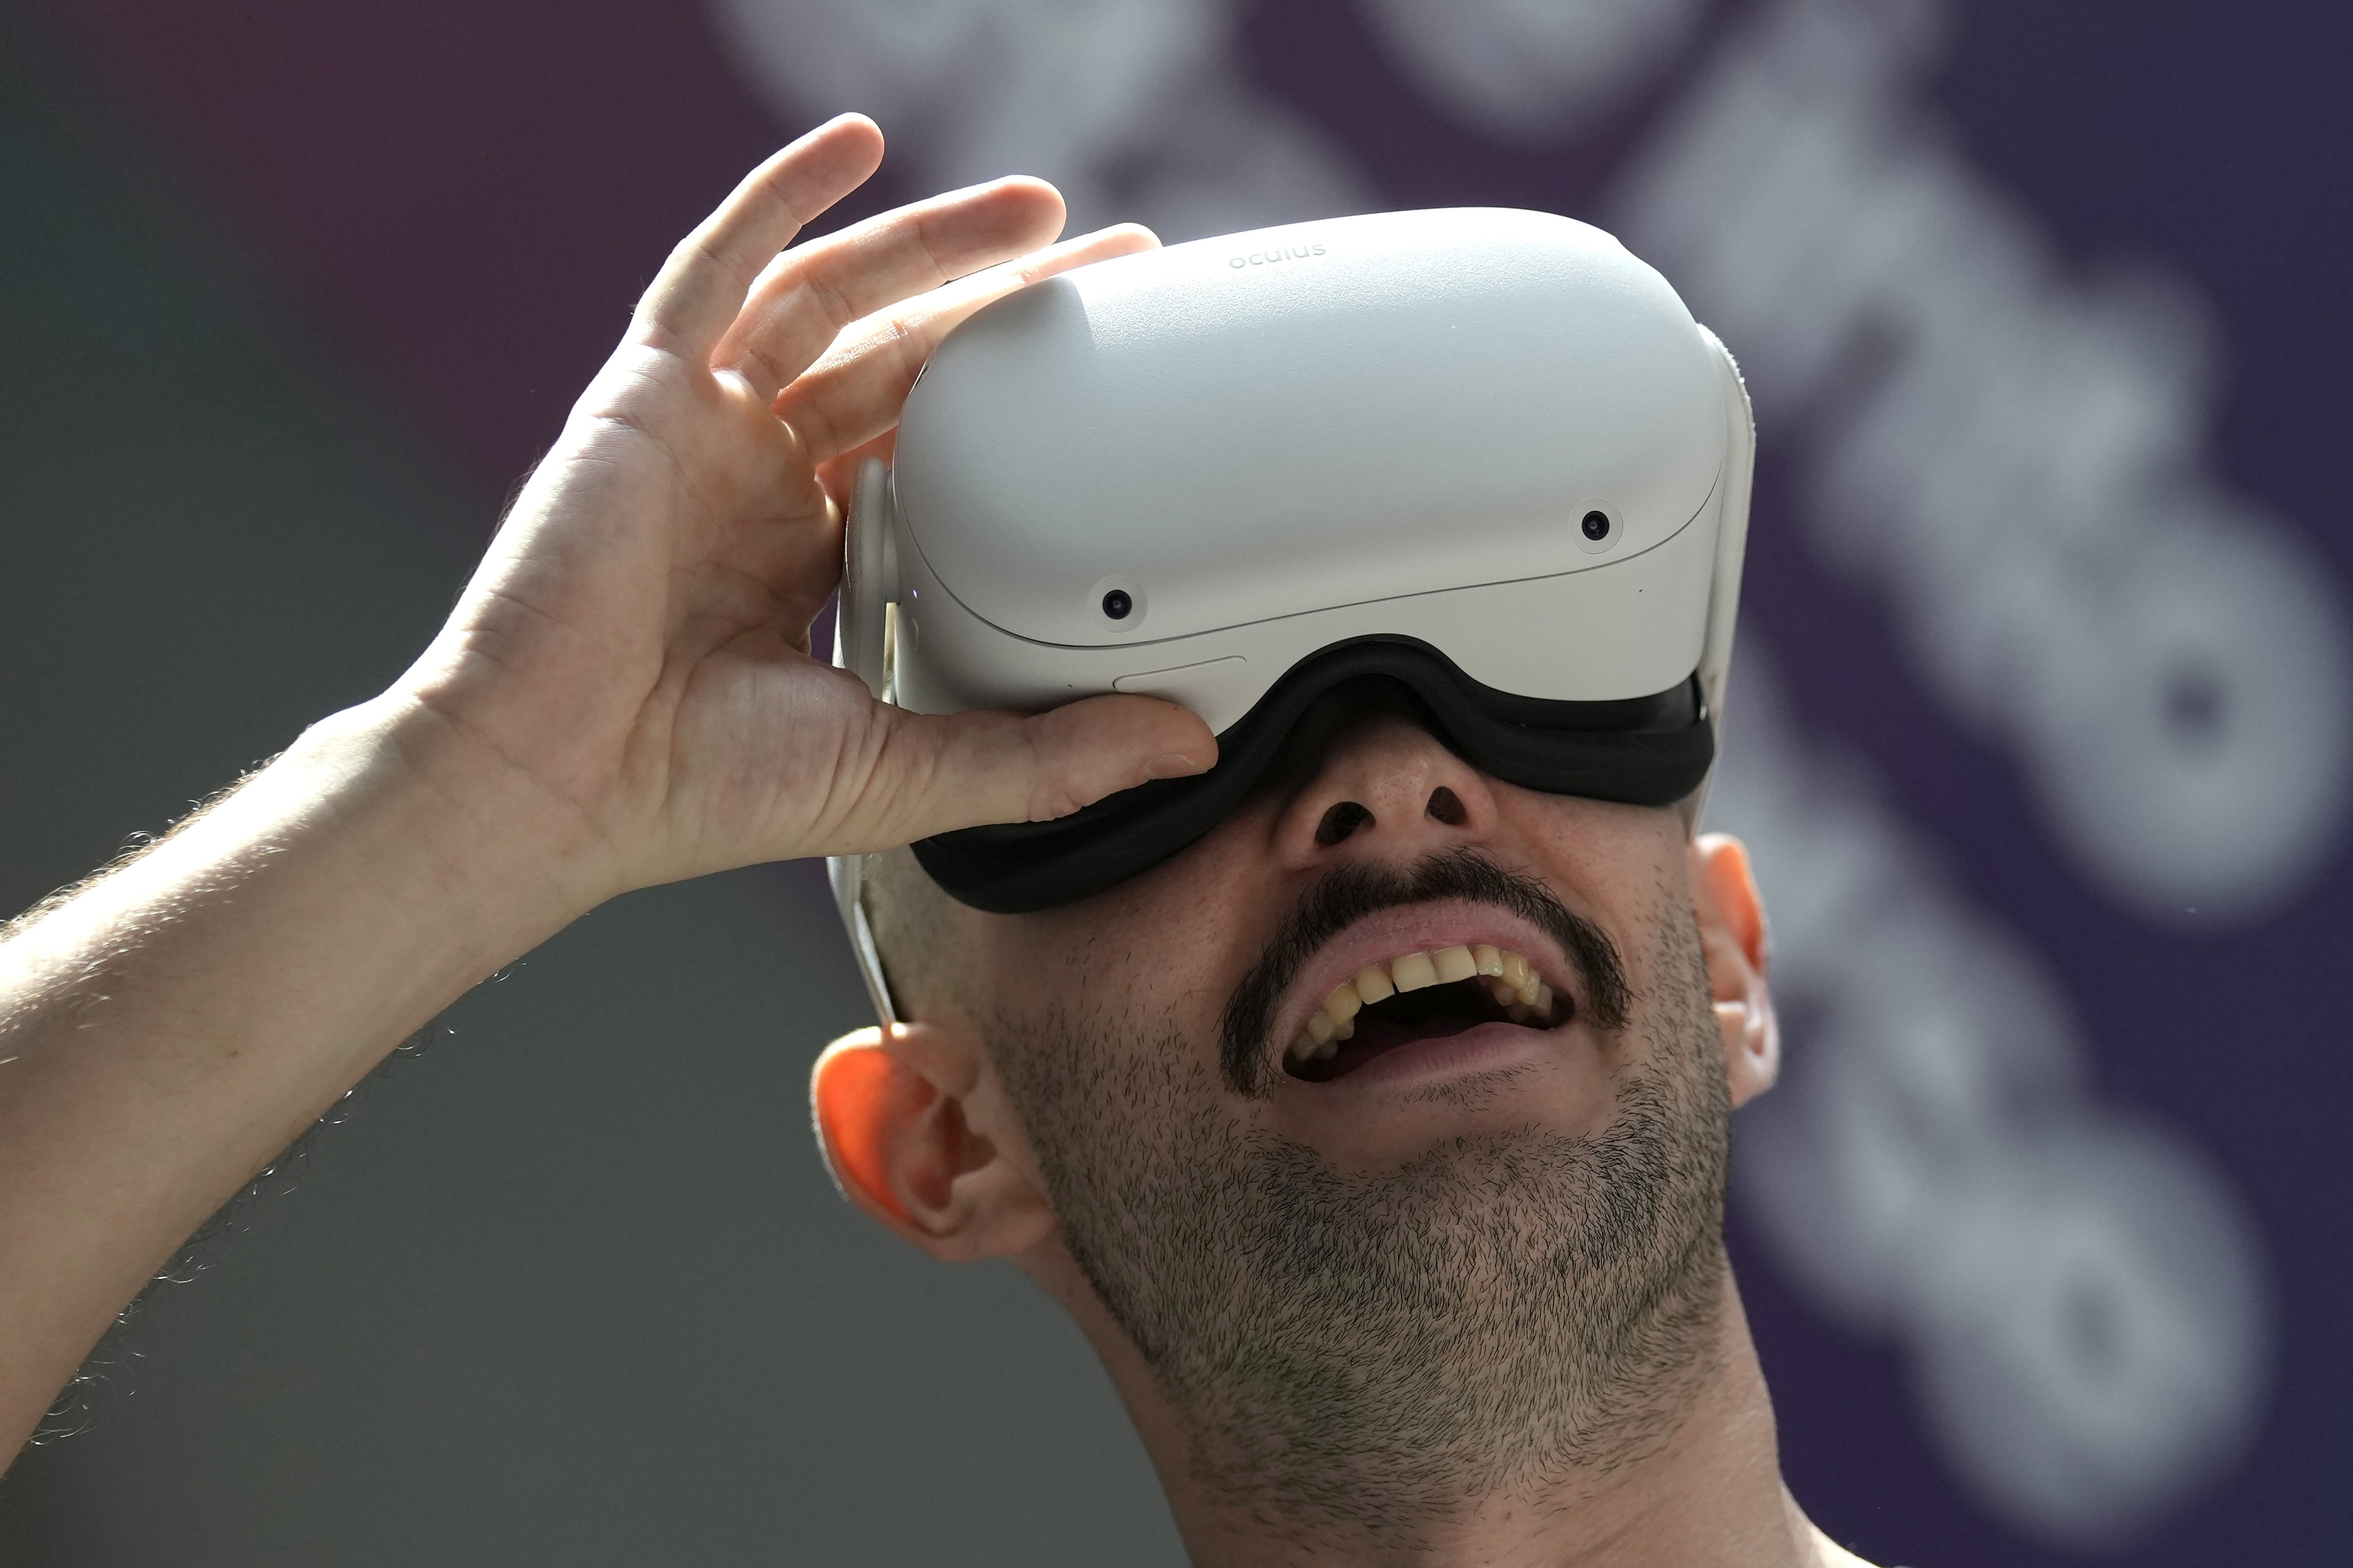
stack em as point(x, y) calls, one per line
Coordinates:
point(1708, 1490)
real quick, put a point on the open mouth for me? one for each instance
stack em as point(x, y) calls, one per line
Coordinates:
point(1421, 996)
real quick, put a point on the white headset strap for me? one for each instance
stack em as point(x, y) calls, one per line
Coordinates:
point(1731, 553)
point(859, 646)
point(848, 875)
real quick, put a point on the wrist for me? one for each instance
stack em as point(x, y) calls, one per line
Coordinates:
point(446, 833)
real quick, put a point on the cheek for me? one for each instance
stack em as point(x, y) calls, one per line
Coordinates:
point(1626, 866)
point(1164, 950)
point(1619, 863)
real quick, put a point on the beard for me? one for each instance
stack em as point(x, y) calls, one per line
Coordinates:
point(1376, 1351)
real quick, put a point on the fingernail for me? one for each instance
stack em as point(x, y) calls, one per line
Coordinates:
point(1171, 765)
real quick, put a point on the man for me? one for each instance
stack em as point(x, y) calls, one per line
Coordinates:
point(1463, 1302)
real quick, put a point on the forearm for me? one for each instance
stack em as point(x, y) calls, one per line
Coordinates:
point(623, 695)
point(167, 1031)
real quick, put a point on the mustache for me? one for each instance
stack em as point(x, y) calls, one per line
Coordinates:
point(1347, 894)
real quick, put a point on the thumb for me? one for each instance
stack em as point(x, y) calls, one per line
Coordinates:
point(937, 772)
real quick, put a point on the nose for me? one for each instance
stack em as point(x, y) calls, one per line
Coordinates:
point(1387, 789)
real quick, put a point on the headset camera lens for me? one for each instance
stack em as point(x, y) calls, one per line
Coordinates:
point(1116, 604)
point(1597, 526)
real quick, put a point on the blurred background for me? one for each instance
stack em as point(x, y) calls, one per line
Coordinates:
point(2039, 733)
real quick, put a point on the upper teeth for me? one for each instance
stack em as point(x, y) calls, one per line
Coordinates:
point(1511, 979)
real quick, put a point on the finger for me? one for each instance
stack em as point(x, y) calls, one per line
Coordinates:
point(800, 560)
point(839, 473)
point(854, 393)
point(935, 773)
point(803, 565)
point(700, 289)
point(802, 304)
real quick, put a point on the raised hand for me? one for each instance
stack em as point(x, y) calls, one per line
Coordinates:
point(636, 643)
point(623, 696)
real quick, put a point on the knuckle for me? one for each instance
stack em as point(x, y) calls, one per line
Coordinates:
point(833, 301)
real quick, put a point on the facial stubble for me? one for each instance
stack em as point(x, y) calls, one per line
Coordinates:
point(1376, 1351)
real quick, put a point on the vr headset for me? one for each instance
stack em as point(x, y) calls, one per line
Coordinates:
point(1484, 454)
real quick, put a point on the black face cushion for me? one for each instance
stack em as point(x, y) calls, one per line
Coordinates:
point(1640, 751)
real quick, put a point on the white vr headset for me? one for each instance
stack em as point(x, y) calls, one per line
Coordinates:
point(1485, 455)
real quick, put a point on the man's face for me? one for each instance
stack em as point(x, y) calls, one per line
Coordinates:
point(1458, 1251)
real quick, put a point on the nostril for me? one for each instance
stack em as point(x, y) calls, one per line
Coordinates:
point(1341, 821)
point(1447, 807)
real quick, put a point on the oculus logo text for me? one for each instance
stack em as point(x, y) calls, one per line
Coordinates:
point(1289, 253)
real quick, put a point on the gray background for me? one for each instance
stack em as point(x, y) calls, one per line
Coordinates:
point(569, 1285)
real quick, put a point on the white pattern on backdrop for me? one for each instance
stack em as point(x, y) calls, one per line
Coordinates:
point(1532, 69)
point(2082, 1297)
point(1133, 108)
point(2015, 458)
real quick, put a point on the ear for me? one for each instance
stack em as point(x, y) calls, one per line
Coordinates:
point(1738, 949)
point(913, 1126)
